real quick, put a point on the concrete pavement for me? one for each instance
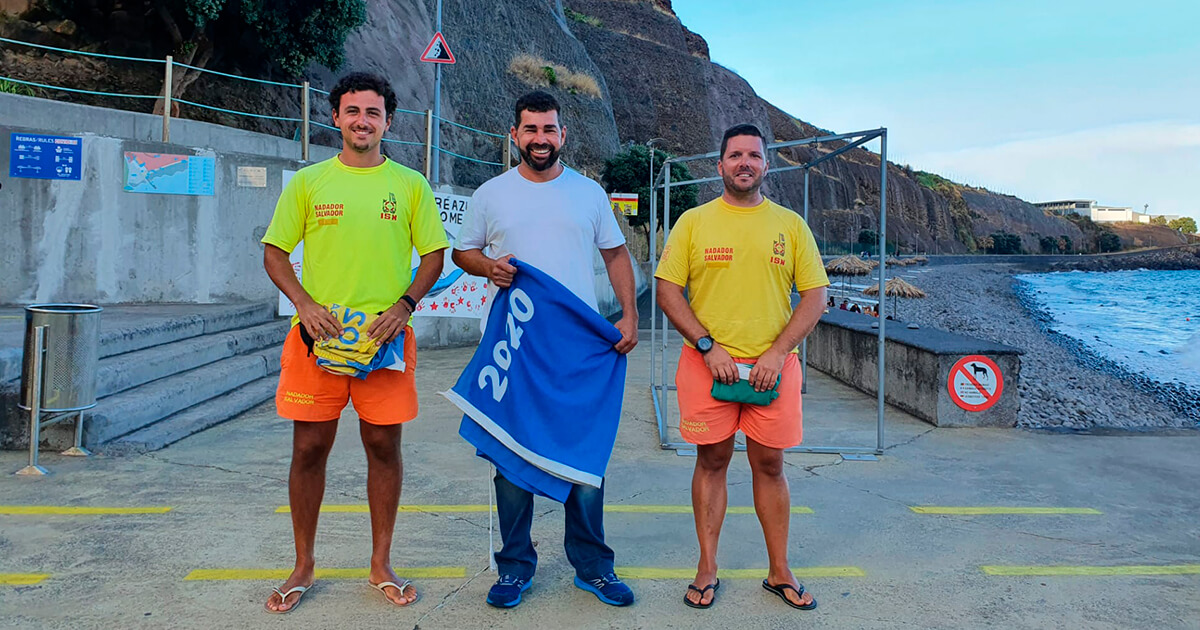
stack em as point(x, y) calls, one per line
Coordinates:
point(891, 567)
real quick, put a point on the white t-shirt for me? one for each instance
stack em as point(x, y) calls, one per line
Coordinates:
point(555, 226)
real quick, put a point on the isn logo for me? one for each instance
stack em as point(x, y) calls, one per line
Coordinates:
point(389, 208)
point(779, 250)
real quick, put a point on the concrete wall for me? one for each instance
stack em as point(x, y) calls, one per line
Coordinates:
point(918, 364)
point(71, 118)
point(90, 241)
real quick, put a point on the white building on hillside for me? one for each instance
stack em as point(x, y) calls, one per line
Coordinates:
point(1094, 211)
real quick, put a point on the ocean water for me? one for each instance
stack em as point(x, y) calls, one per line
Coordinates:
point(1146, 321)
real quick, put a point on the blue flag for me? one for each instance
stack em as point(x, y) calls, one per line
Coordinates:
point(542, 395)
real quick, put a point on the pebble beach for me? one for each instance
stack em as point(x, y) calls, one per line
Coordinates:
point(1063, 384)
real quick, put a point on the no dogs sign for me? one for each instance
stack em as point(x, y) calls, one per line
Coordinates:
point(975, 383)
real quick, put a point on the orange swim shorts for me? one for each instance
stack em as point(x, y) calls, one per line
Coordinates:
point(709, 421)
point(309, 394)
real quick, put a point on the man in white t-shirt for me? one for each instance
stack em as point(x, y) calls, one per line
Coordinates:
point(553, 218)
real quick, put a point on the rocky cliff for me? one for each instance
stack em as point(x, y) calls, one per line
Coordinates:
point(635, 73)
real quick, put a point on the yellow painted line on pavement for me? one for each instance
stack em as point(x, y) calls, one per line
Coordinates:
point(618, 508)
point(67, 510)
point(364, 508)
point(425, 573)
point(22, 579)
point(654, 573)
point(1148, 569)
point(985, 510)
point(687, 509)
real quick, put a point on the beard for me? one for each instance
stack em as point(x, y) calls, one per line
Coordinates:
point(361, 146)
point(733, 183)
point(538, 164)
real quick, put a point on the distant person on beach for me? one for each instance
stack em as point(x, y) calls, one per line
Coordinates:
point(844, 305)
point(360, 215)
point(854, 308)
point(548, 215)
point(740, 330)
point(830, 303)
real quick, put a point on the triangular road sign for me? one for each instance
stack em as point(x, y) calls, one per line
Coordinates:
point(437, 51)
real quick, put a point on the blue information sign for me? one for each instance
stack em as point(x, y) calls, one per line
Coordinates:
point(37, 156)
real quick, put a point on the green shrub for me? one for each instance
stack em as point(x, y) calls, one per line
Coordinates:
point(584, 19)
point(629, 172)
point(1109, 242)
point(10, 87)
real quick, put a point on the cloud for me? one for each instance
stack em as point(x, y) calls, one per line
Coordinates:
point(1155, 163)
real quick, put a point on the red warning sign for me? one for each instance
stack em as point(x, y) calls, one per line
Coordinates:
point(437, 51)
point(975, 383)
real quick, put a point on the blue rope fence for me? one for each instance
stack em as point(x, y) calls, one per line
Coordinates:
point(231, 111)
point(236, 112)
point(79, 52)
point(77, 91)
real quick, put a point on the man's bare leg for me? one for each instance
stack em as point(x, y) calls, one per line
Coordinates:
point(385, 475)
point(772, 503)
point(311, 442)
point(709, 498)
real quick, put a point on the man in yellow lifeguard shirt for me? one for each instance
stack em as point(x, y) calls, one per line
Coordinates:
point(739, 256)
point(360, 215)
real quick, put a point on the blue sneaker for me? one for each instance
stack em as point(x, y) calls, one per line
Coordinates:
point(506, 592)
point(608, 588)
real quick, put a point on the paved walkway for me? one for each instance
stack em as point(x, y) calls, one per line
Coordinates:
point(870, 559)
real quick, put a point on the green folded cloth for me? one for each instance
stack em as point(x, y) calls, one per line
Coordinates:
point(743, 392)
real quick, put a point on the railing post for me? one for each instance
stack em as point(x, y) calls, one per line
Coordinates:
point(35, 404)
point(166, 134)
point(304, 129)
point(429, 145)
point(507, 152)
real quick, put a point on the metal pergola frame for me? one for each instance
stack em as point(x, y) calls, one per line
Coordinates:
point(658, 379)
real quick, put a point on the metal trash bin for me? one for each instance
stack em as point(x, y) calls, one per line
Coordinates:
point(70, 359)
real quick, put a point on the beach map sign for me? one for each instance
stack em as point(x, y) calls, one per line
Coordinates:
point(38, 156)
point(975, 383)
point(168, 174)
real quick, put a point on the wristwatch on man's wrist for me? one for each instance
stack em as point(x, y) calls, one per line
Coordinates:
point(704, 344)
point(412, 304)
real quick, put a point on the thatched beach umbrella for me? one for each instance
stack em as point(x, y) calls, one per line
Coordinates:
point(848, 266)
point(897, 288)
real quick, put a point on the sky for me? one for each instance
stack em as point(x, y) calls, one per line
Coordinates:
point(1047, 99)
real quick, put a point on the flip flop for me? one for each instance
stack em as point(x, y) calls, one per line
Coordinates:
point(400, 587)
point(781, 591)
point(283, 598)
point(692, 587)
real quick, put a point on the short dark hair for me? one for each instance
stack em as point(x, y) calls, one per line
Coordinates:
point(744, 129)
point(536, 102)
point(364, 82)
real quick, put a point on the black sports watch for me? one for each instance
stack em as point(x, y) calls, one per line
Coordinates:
point(412, 304)
point(704, 344)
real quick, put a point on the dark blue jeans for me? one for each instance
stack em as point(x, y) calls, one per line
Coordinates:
point(583, 539)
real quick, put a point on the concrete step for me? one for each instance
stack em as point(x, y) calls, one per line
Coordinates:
point(131, 410)
point(127, 329)
point(195, 419)
point(131, 369)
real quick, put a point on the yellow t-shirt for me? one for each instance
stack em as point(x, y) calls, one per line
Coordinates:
point(739, 266)
point(359, 227)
